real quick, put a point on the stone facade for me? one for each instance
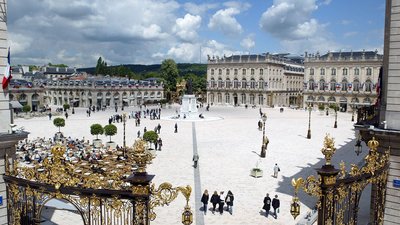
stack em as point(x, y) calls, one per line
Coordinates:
point(84, 96)
point(262, 80)
point(348, 79)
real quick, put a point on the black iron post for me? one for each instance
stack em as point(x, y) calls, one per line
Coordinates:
point(124, 123)
point(309, 122)
point(264, 139)
point(335, 125)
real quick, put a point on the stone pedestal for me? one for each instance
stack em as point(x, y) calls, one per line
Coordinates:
point(189, 106)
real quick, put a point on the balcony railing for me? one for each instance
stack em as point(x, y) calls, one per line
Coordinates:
point(368, 115)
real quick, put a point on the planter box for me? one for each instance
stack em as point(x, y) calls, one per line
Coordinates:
point(255, 172)
point(97, 143)
point(111, 144)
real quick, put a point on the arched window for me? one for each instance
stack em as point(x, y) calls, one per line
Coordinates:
point(344, 85)
point(333, 71)
point(244, 83)
point(332, 85)
point(356, 71)
point(235, 72)
point(368, 85)
point(369, 71)
point(213, 84)
point(344, 71)
point(261, 84)
point(235, 83)
point(243, 71)
point(322, 84)
point(243, 98)
point(227, 98)
point(311, 71)
point(261, 71)
point(252, 71)
point(322, 71)
point(356, 85)
point(252, 99)
point(219, 71)
point(219, 98)
point(212, 71)
point(227, 71)
point(220, 83)
point(228, 83)
point(311, 84)
point(253, 83)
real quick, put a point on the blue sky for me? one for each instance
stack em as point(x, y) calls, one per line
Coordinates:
point(77, 32)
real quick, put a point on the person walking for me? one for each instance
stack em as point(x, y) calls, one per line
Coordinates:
point(276, 204)
point(276, 170)
point(267, 205)
point(138, 133)
point(144, 130)
point(214, 200)
point(229, 202)
point(159, 128)
point(159, 144)
point(221, 202)
point(195, 160)
point(176, 128)
point(204, 200)
point(50, 115)
point(66, 115)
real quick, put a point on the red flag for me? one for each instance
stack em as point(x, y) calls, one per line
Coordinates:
point(7, 74)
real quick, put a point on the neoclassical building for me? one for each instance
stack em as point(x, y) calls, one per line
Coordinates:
point(80, 94)
point(348, 79)
point(264, 80)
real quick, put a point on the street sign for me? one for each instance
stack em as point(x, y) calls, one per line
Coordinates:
point(396, 183)
point(1, 200)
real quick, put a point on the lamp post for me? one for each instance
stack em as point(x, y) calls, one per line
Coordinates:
point(309, 121)
point(352, 113)
point(124, 124)
point(265, 140)
point(336, 109)
point(357, 146)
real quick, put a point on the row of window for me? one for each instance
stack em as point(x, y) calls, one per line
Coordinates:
point(344, 71)
point(244, 71)
point(107, 94)
point(343, 86)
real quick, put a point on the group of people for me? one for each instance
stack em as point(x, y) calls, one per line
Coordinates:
point(218, 199)
point(275, 203)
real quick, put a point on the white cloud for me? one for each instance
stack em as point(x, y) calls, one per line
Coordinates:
point(224, 21)
point(186, 27)
point(199, 9)
point(248, 42)
point(19, 43)
point(350, 34)
point(345, 22)
point(242, 6)
point(325, 2)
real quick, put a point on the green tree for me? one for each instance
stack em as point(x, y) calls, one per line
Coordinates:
point(59, 122)
point(101, 67)
point(110, 130)
point(150, 136)
point(169, 71)
point(96, 129)
point(26, 108)
point(66, 106)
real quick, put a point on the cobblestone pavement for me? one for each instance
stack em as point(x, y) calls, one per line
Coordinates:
point(228, 148)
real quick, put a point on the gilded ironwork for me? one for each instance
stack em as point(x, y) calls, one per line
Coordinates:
point(339, 193)
point(329, 149)
point(99, 190)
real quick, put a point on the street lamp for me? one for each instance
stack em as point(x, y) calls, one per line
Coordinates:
point(358, 147)
point(336, 109)
point(309, 121)
point(124, 123)
point(352, 114)
point(265, 140)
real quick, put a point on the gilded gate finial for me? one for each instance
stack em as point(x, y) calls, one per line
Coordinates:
point(329, 149)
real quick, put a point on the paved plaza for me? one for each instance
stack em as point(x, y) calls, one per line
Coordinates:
point(228, 148)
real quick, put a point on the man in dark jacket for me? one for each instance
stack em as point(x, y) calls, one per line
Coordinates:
point(275, 204)
point(267, 205)
point(214, 200)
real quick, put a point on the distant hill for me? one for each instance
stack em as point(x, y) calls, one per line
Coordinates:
point(184, 68)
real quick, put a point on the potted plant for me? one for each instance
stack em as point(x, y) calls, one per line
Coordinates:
point(26, 109)
point(96, 129)
point(59, 122)
point(150, 136)
point(66, 106)
point(110, 130)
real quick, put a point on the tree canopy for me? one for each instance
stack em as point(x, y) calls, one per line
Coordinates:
point(169, 71)
point(150, 136)
point(110, 130)
point(96, 129)
point(59, 122)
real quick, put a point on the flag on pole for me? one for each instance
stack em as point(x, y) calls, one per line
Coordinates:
point(7, 74)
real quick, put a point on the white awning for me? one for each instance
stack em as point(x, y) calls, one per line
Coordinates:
point(125, 100)
point(15, 105)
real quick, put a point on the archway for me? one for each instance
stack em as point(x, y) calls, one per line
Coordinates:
point(61, 212)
